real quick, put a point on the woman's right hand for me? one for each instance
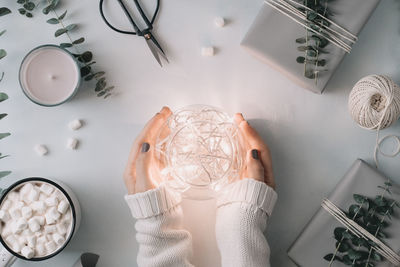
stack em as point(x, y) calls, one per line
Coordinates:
point(258, 164)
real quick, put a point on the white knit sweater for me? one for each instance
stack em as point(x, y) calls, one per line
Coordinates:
point(242, 213)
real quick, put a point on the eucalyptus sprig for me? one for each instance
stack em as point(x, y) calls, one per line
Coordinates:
point(374, 215)
point(3, 96)
point(85, 58)
point(27, 6)
point(312, 45)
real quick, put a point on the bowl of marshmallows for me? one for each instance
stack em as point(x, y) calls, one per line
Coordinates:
point(38, 218)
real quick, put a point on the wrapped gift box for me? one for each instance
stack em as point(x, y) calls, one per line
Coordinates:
point(316, 240)
point(272, 36)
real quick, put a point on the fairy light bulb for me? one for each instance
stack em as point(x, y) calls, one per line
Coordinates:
point(198, 147)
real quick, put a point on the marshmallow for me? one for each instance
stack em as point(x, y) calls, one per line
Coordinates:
point(6, 204)
point(25, 189)
point(4, 216)
point(12, 242)
point(72, 143)
point(51, 201)
point(27, 252)
point(31, 241)
point(42, 197)
point(22, 240)
point(20, 225)
point(40, 219)
point(61, 228)
point(75, 124)
point(13, 196)
point(41, 150)
point(42, 239)
point(39, 207)
point(67, 216)
point(46, 188)
point(58, 239)
point(34, 225)
point(63, 207)
point(6, 231)
point(50, 246)
point(27, 231)
point(54, 213)
point(49, 218)
point(15, 213)
point(26, 212)
point(49, 229)
point(19, 204)
point(33, 195)
point(40, 250)
point(219, 22)
point(207, 51)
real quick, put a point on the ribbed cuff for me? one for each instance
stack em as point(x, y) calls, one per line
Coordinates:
point(252, 192)
point(152, 202)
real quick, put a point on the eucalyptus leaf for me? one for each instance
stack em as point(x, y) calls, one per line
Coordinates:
point(301, 40)
point(4, 11)
point(3, 96)
point(2, 32)
point(107, 95)
point(29, 6)
point(300, 59)
point(89, 77)
point(4, 135)
point(2, 115)
point(99, 74)
point(3, 156)
point(21, 1)
point(22, 11)
point(53, 21)
point(71, 27)
point(62, 15)
point(86, 57)
point(29, 14)
point(65, 45)
point(4, 173)
point(60, 32)
point(101, 94)
point(79, 41)
point(85, 70)
point(3, 53)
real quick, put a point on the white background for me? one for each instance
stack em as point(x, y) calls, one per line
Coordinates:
point(312, 137)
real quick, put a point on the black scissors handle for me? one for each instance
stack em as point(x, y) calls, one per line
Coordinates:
point(137, 31)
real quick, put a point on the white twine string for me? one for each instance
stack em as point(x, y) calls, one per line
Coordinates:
point(359, 231)
point(374, 104)
point(288, 8)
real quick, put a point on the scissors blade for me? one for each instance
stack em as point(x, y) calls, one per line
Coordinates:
point(154, 51)
point(152, 38)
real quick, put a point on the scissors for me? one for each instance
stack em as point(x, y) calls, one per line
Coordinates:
point(151, 41)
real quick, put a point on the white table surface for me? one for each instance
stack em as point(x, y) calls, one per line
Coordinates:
point(312, 137)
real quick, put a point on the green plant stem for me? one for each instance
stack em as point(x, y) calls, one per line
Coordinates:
point(341, 240)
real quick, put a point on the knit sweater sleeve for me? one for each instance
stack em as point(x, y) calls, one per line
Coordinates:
point(242, 215)
point(161, 239)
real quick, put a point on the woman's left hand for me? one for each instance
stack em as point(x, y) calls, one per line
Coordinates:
point(141, 172)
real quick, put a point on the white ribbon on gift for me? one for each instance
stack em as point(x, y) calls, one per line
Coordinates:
point(360, 232)
point(290, 9)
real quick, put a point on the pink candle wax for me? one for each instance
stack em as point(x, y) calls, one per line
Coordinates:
point(49, 75)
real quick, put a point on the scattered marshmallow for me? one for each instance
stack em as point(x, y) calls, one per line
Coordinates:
point(46, 189)
point(27, 252)
point(63, 207)
point(219, 22)
point(4, 216)
point(75, 124)
point(41, 150)
point(26, 212)
point(207, 51)
point(72, 143)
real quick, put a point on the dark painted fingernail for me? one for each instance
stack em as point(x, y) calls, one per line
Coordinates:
point(145, 147)
point(254, 154)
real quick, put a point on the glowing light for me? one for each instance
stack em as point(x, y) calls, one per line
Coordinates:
point(199, 147)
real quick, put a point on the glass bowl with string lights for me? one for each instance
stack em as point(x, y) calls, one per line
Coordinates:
point(198, 149)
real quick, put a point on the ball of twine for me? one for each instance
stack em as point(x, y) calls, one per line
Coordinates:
point(374, 102)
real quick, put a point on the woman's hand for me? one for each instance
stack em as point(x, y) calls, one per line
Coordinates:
point(258, 163)
point(141, 173)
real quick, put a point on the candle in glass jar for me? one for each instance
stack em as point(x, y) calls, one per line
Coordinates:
point(49, 75)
